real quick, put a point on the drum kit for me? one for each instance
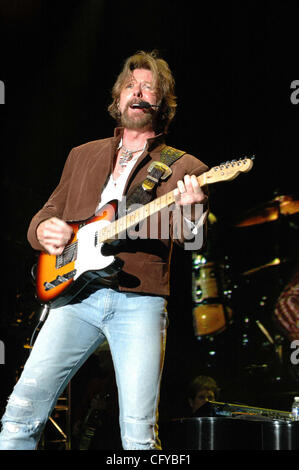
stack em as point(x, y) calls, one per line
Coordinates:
point(223, 297)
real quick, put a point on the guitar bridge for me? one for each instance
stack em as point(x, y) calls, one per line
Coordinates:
point(59, 280)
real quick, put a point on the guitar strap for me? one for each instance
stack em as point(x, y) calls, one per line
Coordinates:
point(158, 171)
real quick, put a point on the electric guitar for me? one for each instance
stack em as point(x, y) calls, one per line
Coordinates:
point(60, 278)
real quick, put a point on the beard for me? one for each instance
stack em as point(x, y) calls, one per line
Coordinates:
point(144, 120)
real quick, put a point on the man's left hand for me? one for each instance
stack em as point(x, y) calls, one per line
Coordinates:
point(188, 192)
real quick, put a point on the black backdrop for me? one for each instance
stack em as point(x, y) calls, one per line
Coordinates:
point(234, 64)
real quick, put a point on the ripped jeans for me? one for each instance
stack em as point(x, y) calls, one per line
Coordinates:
point(135, 328)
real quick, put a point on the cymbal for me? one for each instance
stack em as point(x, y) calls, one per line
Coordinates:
point(270, 211)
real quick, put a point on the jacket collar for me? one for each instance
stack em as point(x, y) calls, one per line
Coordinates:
point(152, 142)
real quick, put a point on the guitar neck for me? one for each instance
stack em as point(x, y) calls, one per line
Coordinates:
point(135, 217)
point(223, 172)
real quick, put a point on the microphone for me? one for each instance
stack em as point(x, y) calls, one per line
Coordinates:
point(144, 105)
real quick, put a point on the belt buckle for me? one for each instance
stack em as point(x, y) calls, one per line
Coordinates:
point(160, 166)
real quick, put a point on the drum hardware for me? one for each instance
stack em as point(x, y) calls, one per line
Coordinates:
point(270, 211)
point(211, 295)
point(215, 300)
point(262, 360)
point(265, 332)
point(274, 262)
point(58, 429)
point(276, 342)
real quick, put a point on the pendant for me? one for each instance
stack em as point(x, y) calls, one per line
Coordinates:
point(125, 158)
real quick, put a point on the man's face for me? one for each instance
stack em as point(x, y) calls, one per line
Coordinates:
point(138, 87)
point(201, 398)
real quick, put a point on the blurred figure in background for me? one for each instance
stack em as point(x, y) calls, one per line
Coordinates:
point(202, 390)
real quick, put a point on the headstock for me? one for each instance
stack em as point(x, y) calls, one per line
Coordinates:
point(227, 171)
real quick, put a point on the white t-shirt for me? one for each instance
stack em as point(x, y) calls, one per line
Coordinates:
point(114, 189)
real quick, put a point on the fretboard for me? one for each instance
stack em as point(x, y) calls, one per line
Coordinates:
point(130, 220)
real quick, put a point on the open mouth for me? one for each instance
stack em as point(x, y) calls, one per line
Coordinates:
point(136, 106)
point(141, 105)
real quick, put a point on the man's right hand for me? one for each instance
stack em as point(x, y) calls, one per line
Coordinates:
point(53, 234)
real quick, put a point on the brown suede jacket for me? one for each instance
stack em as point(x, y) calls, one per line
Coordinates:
point(146, 262)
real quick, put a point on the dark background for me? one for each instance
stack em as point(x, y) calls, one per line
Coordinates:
point(233, 64)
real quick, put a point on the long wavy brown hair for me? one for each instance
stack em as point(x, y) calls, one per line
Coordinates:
point(164, 84)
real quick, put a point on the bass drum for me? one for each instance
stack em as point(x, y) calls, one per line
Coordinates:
point(211, 294)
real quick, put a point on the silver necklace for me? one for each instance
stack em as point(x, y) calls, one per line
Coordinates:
point(127, 155)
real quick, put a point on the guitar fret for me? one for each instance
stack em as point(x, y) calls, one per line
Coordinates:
point(163, 200)
point(170, 198)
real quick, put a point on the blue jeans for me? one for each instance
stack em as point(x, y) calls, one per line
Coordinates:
point(135, 328)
